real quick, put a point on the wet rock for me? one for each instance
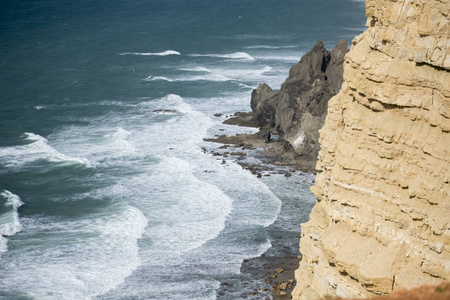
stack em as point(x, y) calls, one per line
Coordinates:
point(283, 286)
point(226, 284)
point(238, 153)
point(241, 119)
point(166, 111)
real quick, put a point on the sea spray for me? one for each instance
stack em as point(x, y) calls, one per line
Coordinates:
point(9, 217)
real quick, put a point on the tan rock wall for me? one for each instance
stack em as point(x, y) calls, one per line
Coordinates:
point(382, 218)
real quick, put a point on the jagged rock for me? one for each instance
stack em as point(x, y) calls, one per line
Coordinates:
point(298, 111)
point(381, 222)
point(263, 102)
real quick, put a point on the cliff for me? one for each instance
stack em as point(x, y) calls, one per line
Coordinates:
point(298, 110)
point(382, 218)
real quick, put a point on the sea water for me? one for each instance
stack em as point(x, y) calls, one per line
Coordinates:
point(105, 190)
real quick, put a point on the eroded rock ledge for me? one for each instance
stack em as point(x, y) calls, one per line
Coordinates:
point(382, 218)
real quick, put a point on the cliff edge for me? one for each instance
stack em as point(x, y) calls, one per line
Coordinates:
point(382, 218)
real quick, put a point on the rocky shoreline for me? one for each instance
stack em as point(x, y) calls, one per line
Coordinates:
point(278, 149)
point(272, 149)
point(272, 273)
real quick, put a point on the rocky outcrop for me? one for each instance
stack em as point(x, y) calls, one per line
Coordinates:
point(382, 218)
point(298, 111)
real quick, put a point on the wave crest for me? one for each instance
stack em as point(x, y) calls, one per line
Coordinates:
point(236, 55)
point(208, 77)
point(165, 53)
point(37, 149)
point(9, 220)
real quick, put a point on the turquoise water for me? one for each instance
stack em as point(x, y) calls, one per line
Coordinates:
point(105, 191)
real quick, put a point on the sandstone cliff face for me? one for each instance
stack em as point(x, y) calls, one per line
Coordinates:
point(382, 218)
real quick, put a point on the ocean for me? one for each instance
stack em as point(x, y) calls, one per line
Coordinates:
point(105, 190)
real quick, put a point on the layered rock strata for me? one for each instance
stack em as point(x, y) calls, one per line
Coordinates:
point(382, 218)
point(298, 110)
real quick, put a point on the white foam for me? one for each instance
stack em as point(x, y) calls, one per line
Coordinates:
point(165, 53)
point(77, 259)
point(191, 78)
point(102, 145)
point(181, 132)
point(186, 197)
point(245, 75)
point(218, 75)
point(143, 134)
point(194, 211)
point(210, 77)
point(38, 149)
point(9, 221)
point(39, 107)
point(196, 69)
point(156, 78)
point(243, 56)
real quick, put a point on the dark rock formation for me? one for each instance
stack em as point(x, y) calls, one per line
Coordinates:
point(298, 111)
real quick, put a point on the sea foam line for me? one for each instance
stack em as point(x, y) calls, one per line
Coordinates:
point(195, 69)
point(236, 55)
point(209, 77)
point(165, 53)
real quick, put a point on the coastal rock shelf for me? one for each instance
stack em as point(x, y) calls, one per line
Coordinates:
point(382, 218)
